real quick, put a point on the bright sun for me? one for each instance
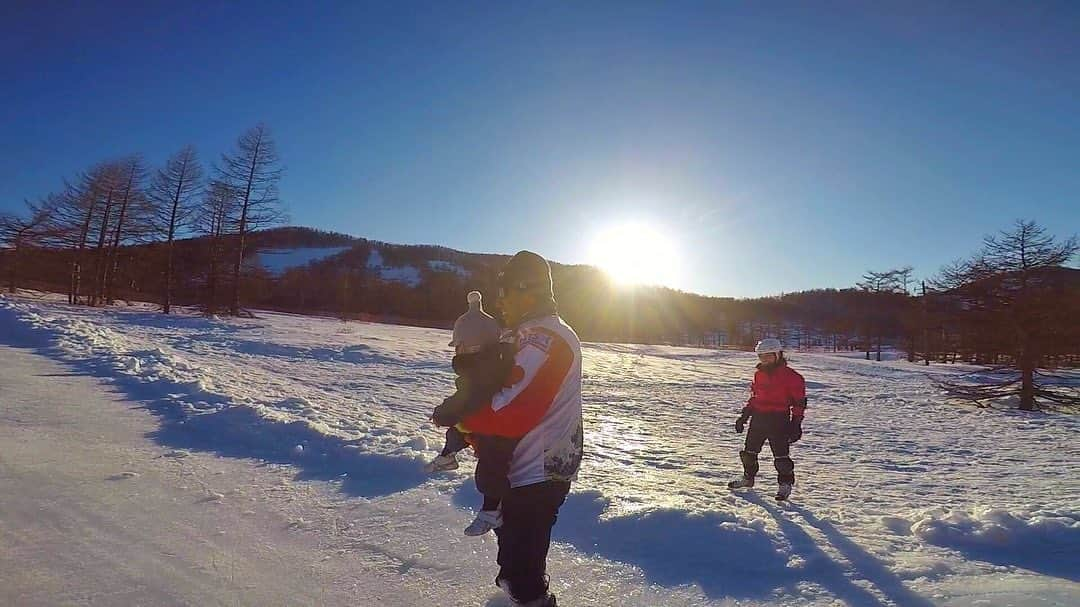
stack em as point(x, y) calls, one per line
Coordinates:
point(635, 253)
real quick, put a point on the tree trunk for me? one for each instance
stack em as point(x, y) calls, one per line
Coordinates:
point(73, 286)
point(211, 284)
point(1027, 386)
point(101, 269)
point(14, 277)
point(234, 301)
point(167, 300)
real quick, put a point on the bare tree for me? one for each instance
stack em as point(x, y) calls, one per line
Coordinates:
point(18, 233)
point(71, 225)
point(83, 208)
point(131, 198)
point(253, 173)
point(1010, 295)
point(173, 193)
point(212, 219)
point(879, 284)
point(110, 183)
point(902, 277)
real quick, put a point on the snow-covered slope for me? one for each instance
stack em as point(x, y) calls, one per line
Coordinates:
point(277, 261)
point(901, 499)
point(408, 275)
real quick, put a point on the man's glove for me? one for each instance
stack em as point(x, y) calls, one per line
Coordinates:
point(442, 417)
point(794, 429)
point(740, 424)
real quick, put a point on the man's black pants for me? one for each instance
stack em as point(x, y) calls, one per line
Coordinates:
point(528, 515)
point(772, 427)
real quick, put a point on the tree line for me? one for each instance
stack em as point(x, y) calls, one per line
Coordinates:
point(98, 218)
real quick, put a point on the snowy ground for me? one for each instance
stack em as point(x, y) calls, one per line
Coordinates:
point(901, 499)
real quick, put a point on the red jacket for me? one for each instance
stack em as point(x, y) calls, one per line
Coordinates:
point(778, 389)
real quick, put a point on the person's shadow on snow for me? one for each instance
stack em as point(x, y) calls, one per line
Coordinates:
point(671, 547)
point(822, 569)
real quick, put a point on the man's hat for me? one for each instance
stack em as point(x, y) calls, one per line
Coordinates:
point(526, 271)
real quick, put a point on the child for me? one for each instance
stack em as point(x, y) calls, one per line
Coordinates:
point(482, 364)
point(775, 410)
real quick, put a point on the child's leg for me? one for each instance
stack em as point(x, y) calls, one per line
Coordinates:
point(493, 465)
point(491, 502)
point(455, 441)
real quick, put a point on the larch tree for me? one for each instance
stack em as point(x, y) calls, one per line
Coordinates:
point(253, 172)
point(174, 195)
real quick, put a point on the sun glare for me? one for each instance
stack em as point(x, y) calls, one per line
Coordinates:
point(635, 254)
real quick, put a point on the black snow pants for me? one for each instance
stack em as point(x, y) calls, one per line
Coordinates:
point(528, 514)
point(772, 427)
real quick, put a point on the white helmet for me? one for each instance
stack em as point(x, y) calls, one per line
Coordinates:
point(769, 344)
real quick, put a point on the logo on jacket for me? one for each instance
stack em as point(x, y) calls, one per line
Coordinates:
point(538, 339)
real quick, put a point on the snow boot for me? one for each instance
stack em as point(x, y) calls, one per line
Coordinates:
point(441, 463)
point(783, 492)
point(544, 601)
point(741, 483)
point(485, 521)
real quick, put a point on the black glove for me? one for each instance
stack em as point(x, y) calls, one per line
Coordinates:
point(794, 430)
point(740, 424)
point(442, 417)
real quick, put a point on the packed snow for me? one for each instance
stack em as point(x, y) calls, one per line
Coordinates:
point(277, 261)
point(408, 275)
point(901, 498)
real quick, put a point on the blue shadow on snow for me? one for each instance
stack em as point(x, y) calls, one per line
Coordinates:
point(822, 569)
point(670, 547)
point(234, 430)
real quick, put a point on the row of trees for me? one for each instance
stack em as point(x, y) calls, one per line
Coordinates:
point(97, 216)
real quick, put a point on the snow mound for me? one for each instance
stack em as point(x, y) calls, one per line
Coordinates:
point(208, 411)
point(997, 527)
point(109, 350)
point(1034, 539)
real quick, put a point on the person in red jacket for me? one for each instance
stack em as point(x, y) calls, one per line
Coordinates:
point(775, 411)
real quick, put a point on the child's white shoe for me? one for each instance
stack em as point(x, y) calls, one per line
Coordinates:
point(441, 463)
point(485, 521)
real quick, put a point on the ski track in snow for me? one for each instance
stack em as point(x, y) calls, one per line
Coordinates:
point(901, 499)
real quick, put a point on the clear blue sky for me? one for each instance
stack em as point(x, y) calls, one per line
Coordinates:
point(783, 148)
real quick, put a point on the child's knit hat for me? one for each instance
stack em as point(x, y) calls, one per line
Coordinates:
point(475, 329)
